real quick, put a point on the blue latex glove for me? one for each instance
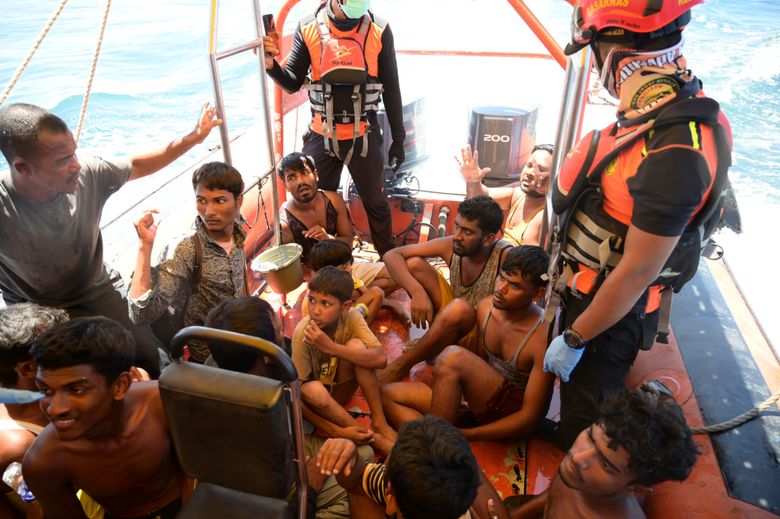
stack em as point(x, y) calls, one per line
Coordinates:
point(560, 359)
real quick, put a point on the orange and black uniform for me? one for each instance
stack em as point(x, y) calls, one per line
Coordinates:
point(658, 184)
point(367, 171)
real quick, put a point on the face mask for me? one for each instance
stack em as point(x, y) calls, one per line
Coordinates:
point(621, 64)
point(354, 9)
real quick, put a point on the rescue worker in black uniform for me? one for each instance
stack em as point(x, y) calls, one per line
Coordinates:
point(347, 108)
point(635, 200)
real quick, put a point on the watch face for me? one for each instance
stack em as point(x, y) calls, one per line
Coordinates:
point(572, 340)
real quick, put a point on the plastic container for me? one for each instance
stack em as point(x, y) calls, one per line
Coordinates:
point(281, 267)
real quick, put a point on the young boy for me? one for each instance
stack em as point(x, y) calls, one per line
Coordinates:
point(334, 351)
point(367, 295)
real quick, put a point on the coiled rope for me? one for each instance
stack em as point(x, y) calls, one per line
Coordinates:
point(739, 420)
point(30, 54)
point(37, 44)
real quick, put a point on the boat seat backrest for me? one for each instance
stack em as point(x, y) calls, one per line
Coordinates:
point(231, 429)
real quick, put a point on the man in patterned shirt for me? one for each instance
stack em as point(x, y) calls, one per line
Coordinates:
point(205, 268)
point(431, 472)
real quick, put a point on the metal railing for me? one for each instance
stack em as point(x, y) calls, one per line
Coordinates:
point(214, 57)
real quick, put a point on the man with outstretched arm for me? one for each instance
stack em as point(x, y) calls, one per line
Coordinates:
point(51, 248)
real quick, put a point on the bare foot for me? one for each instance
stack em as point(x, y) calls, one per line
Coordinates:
point(400, 311)
point(394, 372)
point(382, 445)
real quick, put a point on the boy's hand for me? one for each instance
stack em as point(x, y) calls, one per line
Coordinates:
point(358, 434)
point(335, 455)
point(422, 310)
point(317, 338)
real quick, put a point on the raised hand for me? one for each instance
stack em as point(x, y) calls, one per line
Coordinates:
point(146, 228)
point(469, 166)
point(206, 122)
point(270, 49)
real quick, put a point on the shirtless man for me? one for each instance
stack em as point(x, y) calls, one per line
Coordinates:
point(508, 393)
point(312, 215)
point(20, 325)
point(474, 254)
point(524, 202)
point(640, 439)
point(106, 437)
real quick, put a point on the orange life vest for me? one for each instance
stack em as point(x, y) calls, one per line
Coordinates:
point(340, 93)
point(592, 195)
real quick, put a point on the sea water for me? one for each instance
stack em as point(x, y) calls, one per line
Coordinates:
point(153, 75)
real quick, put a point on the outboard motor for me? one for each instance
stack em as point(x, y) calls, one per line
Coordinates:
point(504, 137)
point(414, 144)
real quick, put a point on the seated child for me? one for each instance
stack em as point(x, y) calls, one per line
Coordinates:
point(367, 294)
point(334, 351)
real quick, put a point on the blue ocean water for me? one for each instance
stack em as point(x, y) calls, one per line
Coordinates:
point(153, 76)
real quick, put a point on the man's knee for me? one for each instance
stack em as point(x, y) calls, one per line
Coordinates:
point(453, 360)
point(458, 312)
point(417, 265)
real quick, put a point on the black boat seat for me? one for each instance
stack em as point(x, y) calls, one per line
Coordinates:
point(236, 433)
point(214, 502)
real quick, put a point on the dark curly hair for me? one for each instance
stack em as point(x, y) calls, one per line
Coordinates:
point(100, 342)
point(329, 252)
point(332, 281)
point(651, 427)
point(432, 470)
point(295, 161)
point(20, 126)
point(485, 211)
point(20, 325)
point(529, 261)
point(218, 175)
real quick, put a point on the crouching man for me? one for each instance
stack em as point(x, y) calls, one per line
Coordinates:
point(107, 437)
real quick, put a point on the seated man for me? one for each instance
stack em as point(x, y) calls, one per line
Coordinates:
point(203, 269)
point(640, 439)
point(474, 254)
point(311, 215)
point(508, 393)
point(51, 248)
point(524, 203)
point(367, 296)
point(20, 325)
point(431, 472)
point(334, 351)
point(107, 436)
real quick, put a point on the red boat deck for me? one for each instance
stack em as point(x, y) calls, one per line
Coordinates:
point(527, 467)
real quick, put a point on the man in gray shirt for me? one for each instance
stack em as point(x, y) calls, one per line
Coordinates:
point(51, 250)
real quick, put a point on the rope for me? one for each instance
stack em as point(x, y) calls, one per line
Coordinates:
point(739, 420)
point(95, 56)
point(30, 54)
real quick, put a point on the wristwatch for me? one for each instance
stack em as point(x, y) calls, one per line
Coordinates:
point(573, 339)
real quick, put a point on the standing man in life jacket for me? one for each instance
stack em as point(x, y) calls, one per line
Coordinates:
point(635, 200)
point(348, 55)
